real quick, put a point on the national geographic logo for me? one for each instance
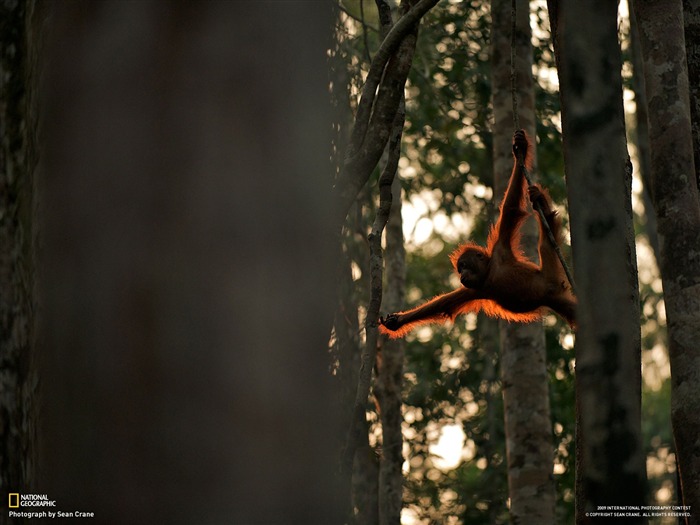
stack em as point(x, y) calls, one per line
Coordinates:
point(17, 500)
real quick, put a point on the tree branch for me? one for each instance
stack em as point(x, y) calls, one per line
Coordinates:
point(378, 104)
point(376, 265)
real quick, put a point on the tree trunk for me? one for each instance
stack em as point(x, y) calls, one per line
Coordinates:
point(528, 424)
point(19, 45)
point(691, 21)
point(389, 383)
point(641, 131)
point(187, 284)
point(361, 488)
point(610, 459)
point(675, 194)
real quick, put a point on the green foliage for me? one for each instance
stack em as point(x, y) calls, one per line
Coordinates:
point(448, 104)
point(561, 392)
point(452, 372)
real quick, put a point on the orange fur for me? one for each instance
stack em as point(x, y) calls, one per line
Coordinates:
point(506, 284)
point(456, 254)
point(490, 308)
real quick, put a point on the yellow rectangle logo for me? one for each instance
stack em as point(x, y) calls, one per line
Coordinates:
point(14, 500)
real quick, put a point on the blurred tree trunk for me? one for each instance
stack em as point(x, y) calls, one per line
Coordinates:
point(189, 264)
point(610, 459)
point(675, 194)
point(528, 424)
point(19, 47)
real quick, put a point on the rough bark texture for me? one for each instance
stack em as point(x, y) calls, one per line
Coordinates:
point(489, 333)
point(189, 264)
point(389, 382)
point(691, 21)
point(610, 459)
point(19, 37)
point(675, 194)
point(528, 428)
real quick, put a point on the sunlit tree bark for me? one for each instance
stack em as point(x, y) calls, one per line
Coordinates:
point(675, 195)
point(523, 356)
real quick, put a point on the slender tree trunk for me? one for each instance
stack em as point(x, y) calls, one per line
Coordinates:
point(19, 43)
point(528, 428)
point(488, 339)
point(610, 459)
point(389, 382)
point(675, 194)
